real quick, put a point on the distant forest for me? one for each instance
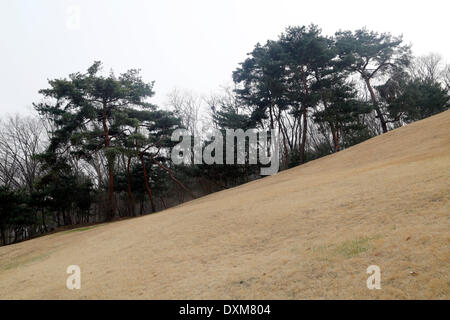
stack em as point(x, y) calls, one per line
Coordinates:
point(97, 149)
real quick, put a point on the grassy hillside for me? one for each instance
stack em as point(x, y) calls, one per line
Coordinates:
point(308, 232)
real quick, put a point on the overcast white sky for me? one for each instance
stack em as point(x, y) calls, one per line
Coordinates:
point(188, 44)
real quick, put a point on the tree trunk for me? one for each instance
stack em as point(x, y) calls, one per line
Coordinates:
point(64, 218)
point(16, 233)
point(56, 218)
point(141, 209)
point(163, 202)
point(305, 120)
point(130, 194)
point(147, 187)
point(335, 134)
point(43, 220)
point(246, 170)
point(286, 152)
point(173, 178)
point(376, 106)
point(111, 210)
point(271, 117)
point(3, 236)
point(305, 131)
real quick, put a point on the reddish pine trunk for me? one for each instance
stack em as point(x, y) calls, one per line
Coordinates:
point(173, 178)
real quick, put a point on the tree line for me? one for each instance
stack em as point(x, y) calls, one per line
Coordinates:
point(97, 149)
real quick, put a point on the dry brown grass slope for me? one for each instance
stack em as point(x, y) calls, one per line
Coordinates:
point(309, 232)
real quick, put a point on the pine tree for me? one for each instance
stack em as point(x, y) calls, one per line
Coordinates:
point(85, 109)
point(371, 55)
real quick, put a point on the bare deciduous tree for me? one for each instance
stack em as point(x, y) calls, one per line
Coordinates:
point(429, 67)
point(189, 107)
point(21, 139)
